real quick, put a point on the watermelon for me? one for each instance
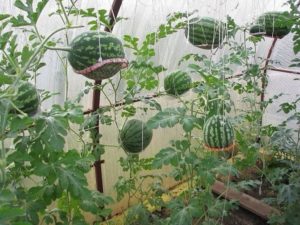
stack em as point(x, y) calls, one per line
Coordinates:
point(27, 98)
point(177, 83)
point(97, 55)
point(257, 30)
point(218, 133)
point(206, 32)
point(274, 24)
point(135, 136)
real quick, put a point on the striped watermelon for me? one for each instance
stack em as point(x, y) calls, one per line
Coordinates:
point(177, 83)
point(135, 136)
point(218, 133)
point(257, 30)
point(275, 24)
point(91, 48)
point(206, 32)
point(27, 98)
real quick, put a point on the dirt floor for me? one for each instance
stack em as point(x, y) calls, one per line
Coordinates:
point(243, 217)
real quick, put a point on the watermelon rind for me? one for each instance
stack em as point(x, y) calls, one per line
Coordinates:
point(274, 24)
point(135, 136)
point(177, 83)
point(92, 47)
point(205, 32)
point(26, 98)
point(218, 132)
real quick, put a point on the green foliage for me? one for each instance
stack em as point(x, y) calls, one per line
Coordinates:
point(99, 17)
point(32, 14)
point(41, 180)
point(38, 153)
point(295, 21)
point(169, 117)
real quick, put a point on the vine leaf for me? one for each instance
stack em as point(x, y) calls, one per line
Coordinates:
point(7, 213)
point(152, 103)
point(189, 122)
point(287, 193)
point(184, 214)
point(4, 16)
point(70, 176)
point(52, 131)
point(4, 39)
point(167, 118)
point(166, 156)
point(32, 15)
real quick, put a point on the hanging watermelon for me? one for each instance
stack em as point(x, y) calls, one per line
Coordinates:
point(177, 83)
point(97, 55)
point(135, 136)
point(218, 133)
point(27, 98)
point(206, 32)
point(257, 30)
point(272, 24)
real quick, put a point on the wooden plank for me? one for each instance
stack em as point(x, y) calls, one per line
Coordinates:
point(246, 201)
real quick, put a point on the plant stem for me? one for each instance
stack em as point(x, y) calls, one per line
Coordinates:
point(58, 48)
point(64, 12)
point(37, 32)
point(16, 67)
point(37, 51)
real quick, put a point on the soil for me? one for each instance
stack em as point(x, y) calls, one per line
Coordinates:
point(239, 216)
point(243, 217)
point(261, 191)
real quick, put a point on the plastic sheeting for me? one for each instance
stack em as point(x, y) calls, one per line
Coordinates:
point(145, 16)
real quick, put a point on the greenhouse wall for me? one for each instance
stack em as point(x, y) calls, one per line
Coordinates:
point(141, 18)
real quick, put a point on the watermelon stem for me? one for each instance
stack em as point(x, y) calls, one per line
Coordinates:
point(11, 61)
point(37, 51)
point(16, 108)
point(66, 49)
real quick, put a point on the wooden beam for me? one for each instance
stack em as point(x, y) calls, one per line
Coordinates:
point(247, 202)
point(96, 98)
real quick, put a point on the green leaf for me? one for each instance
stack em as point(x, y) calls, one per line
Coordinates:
point(9, 213)
point(22, 223)
point(18, 157)
point(19, 21)
point(95, 201)
point(138, 214)
point(74, 181)
point(20, 123)
point(288, 194)
point(5, 79)
point(4, 39)
point(128, 111)
point(6, 196)
point(32, 15)
point(181, 145)
point(287, 107)
point(19, 4)
point(248, 184)
point(26, 54)
point(123, 186)
point(166, 156)
point(153, 103)
point(40, 7)
point(169, 117)
point(52, 131)
point(189, 122)
point(181, 214)
point(4, 16)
